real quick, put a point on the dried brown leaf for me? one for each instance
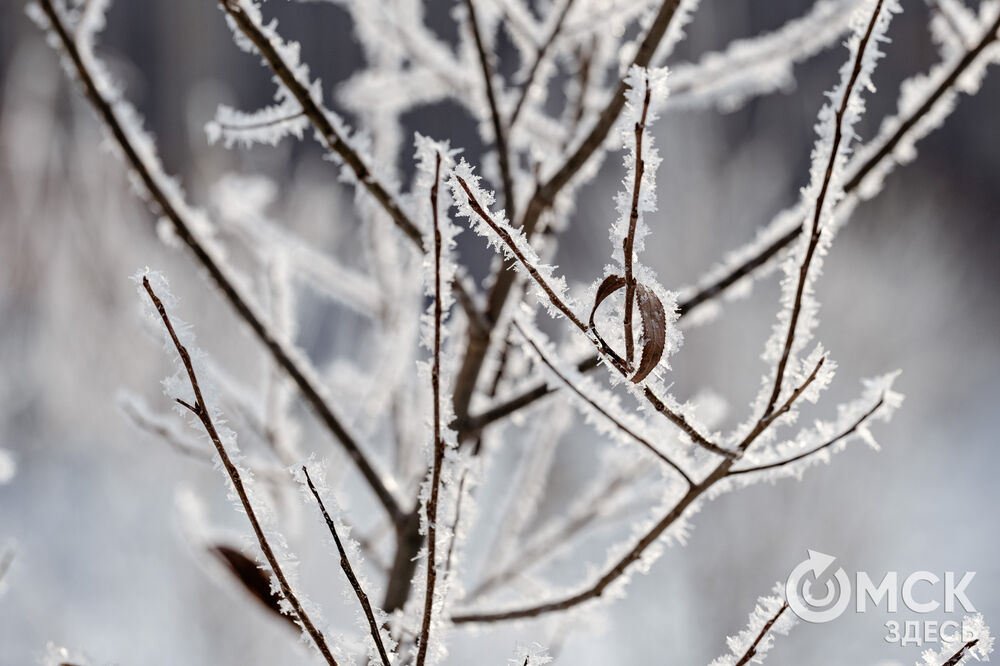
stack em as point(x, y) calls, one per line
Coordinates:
point(654, 331)
point(254, 579)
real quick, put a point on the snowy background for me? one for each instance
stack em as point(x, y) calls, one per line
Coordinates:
point(104, 563)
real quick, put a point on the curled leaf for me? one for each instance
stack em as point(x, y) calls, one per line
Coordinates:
point(610, 285)
point(654, 331)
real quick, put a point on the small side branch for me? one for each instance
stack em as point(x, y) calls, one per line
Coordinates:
point(752, 650)
point(345, 565)
point(628, 248)
point(825, 445)
point(543, 50)
point(201, 411)
point(499, 129)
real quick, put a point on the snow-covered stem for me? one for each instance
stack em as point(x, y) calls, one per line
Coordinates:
point(500, 128)
point(974, 640)
point(248, 23)
point(163, 198)
point(438, 442)
point(201, 411)
point(345, 565)
point(628, 247)
point(847, 432)
point(840, 124)
point(752, 650)
point(769, 617)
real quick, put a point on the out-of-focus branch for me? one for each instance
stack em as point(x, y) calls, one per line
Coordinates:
point(499, 128)
point(201, 411)
point(319, 118)
point(151, 180)
point(540, 54)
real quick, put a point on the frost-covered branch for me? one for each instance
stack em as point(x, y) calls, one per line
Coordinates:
point(201, 411)
point(165, 197)
point(345, 565)
point(974, 640)
point(767, 619)
point(282, 59)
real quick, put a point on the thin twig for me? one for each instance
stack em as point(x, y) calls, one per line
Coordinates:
point(345, 564)
point(262, 124)
point(815, 230)
point(499, 129)
point(164, 205)
point(439, 446)
point(847, 432)
point(596, 407)
point(540, 54)
point(764, 422)
point(201, 411)
point(628, 247)
point(752, 650)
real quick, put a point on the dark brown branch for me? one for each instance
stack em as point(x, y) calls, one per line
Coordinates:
point(752, 650)
point(596, 407)
point(6, 560)
point(318, 116)
point(764, 422)
point(499, 129)
point(958, 656)
point(201, 411)
point(847, 432)
point(540, 54)
point(345, 564)
point(628, 248)
point(163, 204)
point(538, 548)
point(439, 446)
point(815, 230)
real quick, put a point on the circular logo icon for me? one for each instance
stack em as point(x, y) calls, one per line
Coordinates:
point(817, 592)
